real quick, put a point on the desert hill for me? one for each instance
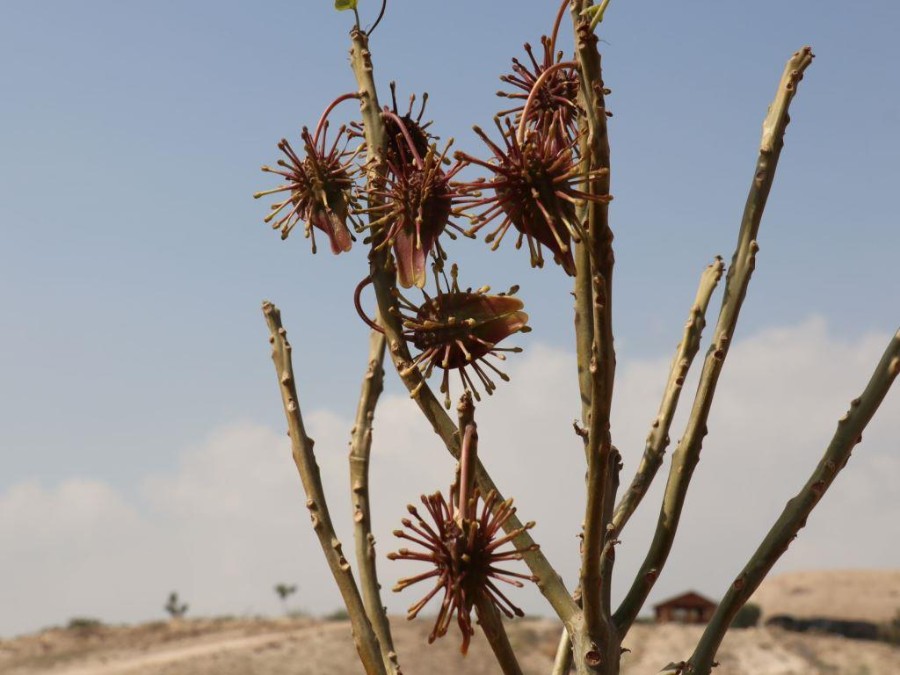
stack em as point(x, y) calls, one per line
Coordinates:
point(315, 647)
point(854, 595)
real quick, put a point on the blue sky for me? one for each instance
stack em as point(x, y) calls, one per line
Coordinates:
point(134, 260)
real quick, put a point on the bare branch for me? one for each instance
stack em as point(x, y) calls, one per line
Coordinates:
point(602, 467)
point(360, 450)
point(302, 448)
point(687, 454)
point(658, 438)
point(793, 518)
point(492, 625)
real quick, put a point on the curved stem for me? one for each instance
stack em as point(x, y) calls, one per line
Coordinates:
point(520, 135)
point(559, 16)
point(378, 20)
point(359, 310)
point(334, 104)
point(409, 141)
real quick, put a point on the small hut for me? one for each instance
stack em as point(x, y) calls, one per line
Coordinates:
point(690, 607)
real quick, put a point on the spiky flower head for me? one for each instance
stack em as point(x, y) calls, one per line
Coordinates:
point(535, 188)
point(557, 93)
point(319, 189)
point(458, 330)
point(413, 206)
point(396, 132)
point(464, 547)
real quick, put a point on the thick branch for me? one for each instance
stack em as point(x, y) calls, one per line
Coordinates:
point(305, 459)
point(687, 454)
point(658, 438)
point(360, 449)
point(595, 584)
point(550, 583)
point(793, 518)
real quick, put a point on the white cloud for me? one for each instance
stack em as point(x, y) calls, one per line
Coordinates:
point(229, 522)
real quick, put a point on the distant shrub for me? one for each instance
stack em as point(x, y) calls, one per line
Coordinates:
point(175, 607)
point(337, 615)
point(284, 591)
point(890, 632)
point(747, 616)
point(84, 624)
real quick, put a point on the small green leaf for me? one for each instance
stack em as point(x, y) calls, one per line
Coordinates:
point(342, 5)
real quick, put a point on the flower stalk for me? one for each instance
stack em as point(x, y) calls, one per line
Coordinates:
point(549, 581)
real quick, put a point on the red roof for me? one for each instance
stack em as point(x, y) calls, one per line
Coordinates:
point(689, 599)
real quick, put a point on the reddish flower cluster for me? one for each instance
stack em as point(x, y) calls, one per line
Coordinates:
point(413, 126)
point(413, 207)
point(557, 94)
point(535, 189)
point(464, 549)
point(457, 330)
point(318, 187)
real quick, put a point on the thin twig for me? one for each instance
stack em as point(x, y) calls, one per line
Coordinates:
point(562, 663)
point(549, 581)
point(686, 456)
point(849, 432)
point(492, 625)
point(360, 451)
point(378, 19)
point(658, 438)
point(488, 617)
point(305, 459)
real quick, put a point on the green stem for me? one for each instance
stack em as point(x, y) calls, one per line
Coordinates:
point(687, 455)
point(360, 452)
point(658, 438)
point(302, 449)
point(562, 663)
point(598, 649)
point(383, 277)
point(492, 626)
point(849, 432)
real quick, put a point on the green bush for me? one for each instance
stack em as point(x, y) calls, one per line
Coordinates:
point(84, 624)
point(337, 615)
point(747, 616)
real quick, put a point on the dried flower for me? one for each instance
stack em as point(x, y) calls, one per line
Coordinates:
point(557, 94)
point(535, 189)
point(319, 188)
point(464, 549)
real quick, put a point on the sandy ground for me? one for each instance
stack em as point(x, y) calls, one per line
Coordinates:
point(308, 647)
